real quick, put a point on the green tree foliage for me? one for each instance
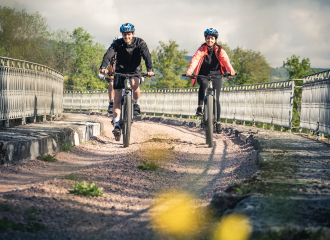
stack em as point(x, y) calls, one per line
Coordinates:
point(251, 67)
point(296, 68)
point(23, 35)
point(228, 50)
point(85, 62)
point(169, 63)
point(59, 48)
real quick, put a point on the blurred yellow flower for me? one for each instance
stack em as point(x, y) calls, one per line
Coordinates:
point(234, 227)
point(176, 213)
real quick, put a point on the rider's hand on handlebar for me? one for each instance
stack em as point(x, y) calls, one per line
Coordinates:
point(104, 71)
point(151, 74)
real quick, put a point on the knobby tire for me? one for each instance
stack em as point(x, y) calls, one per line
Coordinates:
point(210, 123)
point(205, 121)
point(127, 120)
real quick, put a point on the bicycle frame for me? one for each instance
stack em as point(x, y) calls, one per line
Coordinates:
point(126, 107)
point(210, 107)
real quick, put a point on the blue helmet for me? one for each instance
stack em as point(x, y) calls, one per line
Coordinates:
point(211, 31)
point(127, 27)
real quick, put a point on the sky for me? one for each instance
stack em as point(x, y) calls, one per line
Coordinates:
point(276, 28)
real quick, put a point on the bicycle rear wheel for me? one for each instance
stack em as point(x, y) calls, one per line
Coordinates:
point(209, 125)
point(127, 119)
point(205, 120)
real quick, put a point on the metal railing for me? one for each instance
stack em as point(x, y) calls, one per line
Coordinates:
point(265, 103)
point(315, 102)
point(29, 90)
point(88, 100)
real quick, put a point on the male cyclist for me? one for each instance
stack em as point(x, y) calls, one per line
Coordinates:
point(129, 51)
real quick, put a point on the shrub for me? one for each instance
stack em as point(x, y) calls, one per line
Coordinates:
point(66, 147)
point(86, 190)
point(148, 166)
point(47, 158)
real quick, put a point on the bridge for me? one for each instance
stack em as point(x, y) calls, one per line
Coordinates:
point(289, 185)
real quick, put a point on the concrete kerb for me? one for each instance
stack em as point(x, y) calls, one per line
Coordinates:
point(26, 142)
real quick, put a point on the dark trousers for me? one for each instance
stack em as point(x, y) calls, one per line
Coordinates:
point(203, 84)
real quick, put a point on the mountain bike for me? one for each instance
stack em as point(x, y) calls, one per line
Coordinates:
point(210, 106)
point(126, 105)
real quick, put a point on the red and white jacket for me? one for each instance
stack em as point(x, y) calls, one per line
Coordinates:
point(198, 58)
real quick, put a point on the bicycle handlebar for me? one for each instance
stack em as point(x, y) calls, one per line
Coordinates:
point(128, 74)
point(209, 76)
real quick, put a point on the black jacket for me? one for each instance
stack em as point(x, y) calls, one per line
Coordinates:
point(128, 56)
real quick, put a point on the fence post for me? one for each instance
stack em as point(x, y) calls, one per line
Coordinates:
point(291, 106)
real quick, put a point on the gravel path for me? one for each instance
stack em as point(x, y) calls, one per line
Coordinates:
point(185, 162)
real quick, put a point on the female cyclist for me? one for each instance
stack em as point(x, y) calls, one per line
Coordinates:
point(210, 59)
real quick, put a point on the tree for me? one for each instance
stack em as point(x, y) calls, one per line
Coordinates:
point(85, 62)
point(297, 69)
point(251, 67)
point(60, 51)
point(23, 35)
point(169, 63)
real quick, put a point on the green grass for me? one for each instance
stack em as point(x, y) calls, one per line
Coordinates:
point(87, 190)
point(73, 177)
point(159, 134)
point(171, 148)
point(148, 166)
point(4, 207)
point(30, 226)
point(6, 224)
point(66, 147)
point(47, 158)
point(303, 183)
point(32, 210)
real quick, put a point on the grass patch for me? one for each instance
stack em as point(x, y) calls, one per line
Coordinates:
point(32, 210)
point(148, 166)
point(73, 177)
point(304, 183)
point(171, 148)
point(160, 134)
point(47, 158)
point(155, 139)
point(4, 207)
point(66, 147)
point(87, 190)
point(6, 224)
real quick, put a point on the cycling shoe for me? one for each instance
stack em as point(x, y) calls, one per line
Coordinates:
point(116, 131)
point(218, 128)
point(136, 108)
point(199, 111)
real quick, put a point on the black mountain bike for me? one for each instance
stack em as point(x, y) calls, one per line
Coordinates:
point(126, 105)
point(210, 106)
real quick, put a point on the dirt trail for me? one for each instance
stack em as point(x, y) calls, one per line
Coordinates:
point(181, 153)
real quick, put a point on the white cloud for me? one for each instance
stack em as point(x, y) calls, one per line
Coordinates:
point(278, 29)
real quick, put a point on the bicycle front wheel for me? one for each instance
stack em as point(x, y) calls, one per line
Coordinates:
point(127, 119)
point(209, 125)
